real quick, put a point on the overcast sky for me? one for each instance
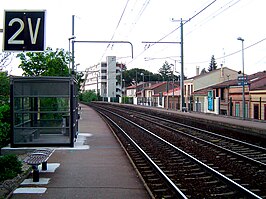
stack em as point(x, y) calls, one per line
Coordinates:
point(211, 31)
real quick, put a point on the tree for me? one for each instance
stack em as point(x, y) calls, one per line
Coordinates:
point(5, 130)
point(133, 75)
point(165, 71)
point(203, 71)
point(5, 59)
point(80, 79)
point(4, 110)
point(213, 64)
point(88, 96)
point(47, 63)
point(4, 88)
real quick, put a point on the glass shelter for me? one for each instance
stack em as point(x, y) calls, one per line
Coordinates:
point(44, 111)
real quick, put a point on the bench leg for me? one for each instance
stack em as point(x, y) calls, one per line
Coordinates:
point(35, 173)
point(36, 134)
point(44, 166)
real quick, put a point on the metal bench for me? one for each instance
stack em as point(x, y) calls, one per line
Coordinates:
point(39, 156)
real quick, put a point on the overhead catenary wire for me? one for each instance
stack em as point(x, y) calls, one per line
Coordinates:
point(230, 54)
point(119, 22)
point(174, 29)
point(215, 14)
point(139, 15)
point(212, 16)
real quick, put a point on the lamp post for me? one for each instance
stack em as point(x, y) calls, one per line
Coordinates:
point(142, 74)
point(243, 78)
point(123, 94)
point(69, 39)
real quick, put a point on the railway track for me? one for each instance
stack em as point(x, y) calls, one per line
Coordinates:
point(194, 169)
point(249, 151)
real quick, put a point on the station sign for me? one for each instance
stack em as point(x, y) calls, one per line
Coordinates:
point(241, 78)
point(24, 31)
point(241, 83)
point(210, 101)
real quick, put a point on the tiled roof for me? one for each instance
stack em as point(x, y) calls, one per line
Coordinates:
point(251, 79)
point(157, 85)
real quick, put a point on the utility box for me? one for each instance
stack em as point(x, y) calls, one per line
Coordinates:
point(44, 111)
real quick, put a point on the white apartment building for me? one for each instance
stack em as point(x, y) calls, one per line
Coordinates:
point(104, 78)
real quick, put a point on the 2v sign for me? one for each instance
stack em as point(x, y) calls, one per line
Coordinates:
point(24, 31)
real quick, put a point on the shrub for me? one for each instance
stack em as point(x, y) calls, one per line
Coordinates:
point(88, 96)
point(4, 125)
point(10, 167)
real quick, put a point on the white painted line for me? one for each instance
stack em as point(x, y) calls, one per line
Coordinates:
point(78, 145)
point(85, 134)
point(51, 167)
point(42, 181)
point(30, 190)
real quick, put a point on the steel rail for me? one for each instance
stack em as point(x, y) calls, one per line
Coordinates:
point(169, 181)
point(210, 143)
point(208, 132)
point(208, 168)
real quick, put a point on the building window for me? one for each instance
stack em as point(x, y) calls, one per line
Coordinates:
point(246, 110)
point(217, 92)
point(264, 111)
point(256, 111)
point(222, 94)
point(237, 110)
point(223, 112)
point(198, 106)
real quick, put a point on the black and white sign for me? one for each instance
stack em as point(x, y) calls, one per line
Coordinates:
point(24, 31)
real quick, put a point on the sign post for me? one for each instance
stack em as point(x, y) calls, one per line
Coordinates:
point(24, 31)
point(242, 80)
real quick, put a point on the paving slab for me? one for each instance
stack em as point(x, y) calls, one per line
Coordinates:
point(96, 167)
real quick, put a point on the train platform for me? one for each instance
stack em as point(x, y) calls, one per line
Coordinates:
point(257, 127)
point(96, 167)
point(251, 126)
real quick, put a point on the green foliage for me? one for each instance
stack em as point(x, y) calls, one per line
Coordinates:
point(166, 71)
point(52, 104)
point(127, 100)
point(213, 64)
point(4, 88)
point(133, 75)
point(10, 167)
point(88, 96)
point(5, 130)
point(47, 63)
point(80, 79)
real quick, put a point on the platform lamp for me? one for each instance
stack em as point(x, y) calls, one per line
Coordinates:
point(142, 74)
point(69, 40)
point(243, 77)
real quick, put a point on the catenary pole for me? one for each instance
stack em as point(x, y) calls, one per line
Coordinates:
point(73, 33)
point(182, 68)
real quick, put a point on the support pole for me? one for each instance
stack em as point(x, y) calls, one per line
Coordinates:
point(182, 68)
point(73, 33)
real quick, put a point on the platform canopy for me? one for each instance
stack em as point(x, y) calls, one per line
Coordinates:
point(44, 111)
